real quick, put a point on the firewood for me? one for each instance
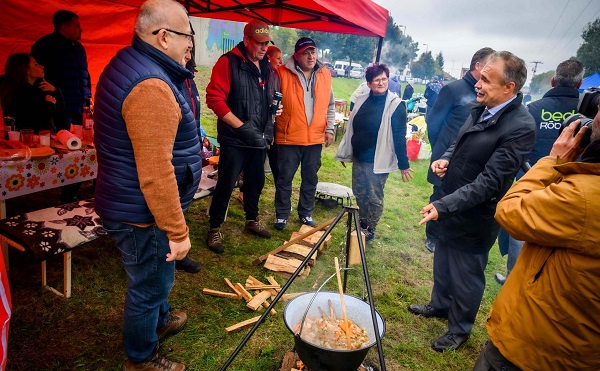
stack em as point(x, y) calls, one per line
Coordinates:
point(242, 324)
point(312, 240)
point(262, 287)
point(300, 252)
point(277, 264)
point(231, 286)
point(264, 257)
point(258, 300)
point(221, 294)
point(248, 296)
point(286, 297)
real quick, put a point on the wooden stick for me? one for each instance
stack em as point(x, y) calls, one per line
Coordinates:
point(248, 296)
point(339, 280)
point(261, 287)
point(228, 283)
point(221, 294)
point(245, 323)
point(302, 236)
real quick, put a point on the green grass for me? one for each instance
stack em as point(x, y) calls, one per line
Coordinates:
point(84, 332)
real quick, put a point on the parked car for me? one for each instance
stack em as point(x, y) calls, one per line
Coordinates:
point(329, 66)
point(357, 72)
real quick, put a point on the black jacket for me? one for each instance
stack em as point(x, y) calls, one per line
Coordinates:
point(549, 112)
point(249, 100)
point(449, 113)
point(482, 165)
point(408, 92)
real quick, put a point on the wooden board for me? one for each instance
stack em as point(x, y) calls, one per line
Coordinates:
point(312, 240)
point(278, 264)
point(242, 324)
point(300, 252)
point(258, 300)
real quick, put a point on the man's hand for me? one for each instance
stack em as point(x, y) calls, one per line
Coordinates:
point(279, 110)
point(439, 167)
point(178, 249)
point(328, 139)
point(566, 147)
point(407, 174)
point(428, 213)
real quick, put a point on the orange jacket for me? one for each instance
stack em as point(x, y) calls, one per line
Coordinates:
point(292, 126)
point(547, 315)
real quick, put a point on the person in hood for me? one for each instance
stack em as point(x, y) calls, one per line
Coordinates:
point(238, 93)
point(304, 126)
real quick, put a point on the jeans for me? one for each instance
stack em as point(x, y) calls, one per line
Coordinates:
point(512, 247)
point(149, 282)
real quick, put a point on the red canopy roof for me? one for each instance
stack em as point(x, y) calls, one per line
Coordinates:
point(108, 24)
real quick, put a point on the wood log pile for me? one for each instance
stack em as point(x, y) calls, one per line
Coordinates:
point(263, 292)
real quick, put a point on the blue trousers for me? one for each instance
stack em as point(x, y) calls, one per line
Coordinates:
point(149, 282)
point(511, 246)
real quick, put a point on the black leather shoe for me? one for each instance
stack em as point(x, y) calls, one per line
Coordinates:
point(188, 265)
point(428, 311)
point(449, 341)
point(430, 245)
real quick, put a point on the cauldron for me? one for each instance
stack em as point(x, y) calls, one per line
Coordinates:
point(325, 359)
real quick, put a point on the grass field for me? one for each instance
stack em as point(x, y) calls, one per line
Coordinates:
point(84, 332)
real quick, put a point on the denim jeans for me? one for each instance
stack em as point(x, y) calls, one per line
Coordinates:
point(149, 281)
point(512, 247)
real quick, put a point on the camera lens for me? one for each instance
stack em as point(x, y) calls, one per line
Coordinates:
point(585, 121)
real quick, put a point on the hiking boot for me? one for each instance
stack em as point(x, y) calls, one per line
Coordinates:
point(188, 265)
point(174, 325)
point(369, 233)
point(214, 240)
point(308, 220)
point(254, 227)
point(158, 362)
point(280, 224)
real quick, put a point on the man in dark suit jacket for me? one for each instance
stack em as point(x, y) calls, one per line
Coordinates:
point(478, 169)
point(445, 119)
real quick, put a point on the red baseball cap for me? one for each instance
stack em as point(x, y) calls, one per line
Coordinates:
point(258, 30)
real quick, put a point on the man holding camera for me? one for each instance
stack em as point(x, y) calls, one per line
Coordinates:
point(238, 93)
point(546, 315)
point(556, 105)
point(477, 169)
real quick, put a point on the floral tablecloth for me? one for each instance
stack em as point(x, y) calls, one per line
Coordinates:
point(46, 173)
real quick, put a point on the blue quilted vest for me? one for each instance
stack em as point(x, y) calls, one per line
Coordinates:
point(118, 195)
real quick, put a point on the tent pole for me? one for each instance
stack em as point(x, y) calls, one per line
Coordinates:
point(379, 45)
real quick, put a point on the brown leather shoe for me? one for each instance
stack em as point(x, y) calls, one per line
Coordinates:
point(214, 240)
point(256, 228)
point(175, 324)
point(158, 362)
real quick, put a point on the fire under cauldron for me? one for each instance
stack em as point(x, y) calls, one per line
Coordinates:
point(324, 359)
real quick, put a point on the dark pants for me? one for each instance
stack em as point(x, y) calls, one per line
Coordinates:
point(368, 190)
point(490, 359)
point(273, 153)
point(290, 157)
point(232, 161)
point(458, 284)
point(432, 227)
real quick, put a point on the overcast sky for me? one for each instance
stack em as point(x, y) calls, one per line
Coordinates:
point(535, 30)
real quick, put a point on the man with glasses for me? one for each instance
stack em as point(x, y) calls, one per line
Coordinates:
point(149, 168)
point(305, 124)
point(238, 93)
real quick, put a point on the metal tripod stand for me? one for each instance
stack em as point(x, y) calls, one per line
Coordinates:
point(352, 219)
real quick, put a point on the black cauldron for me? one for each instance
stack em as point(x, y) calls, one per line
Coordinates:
point(325, 359)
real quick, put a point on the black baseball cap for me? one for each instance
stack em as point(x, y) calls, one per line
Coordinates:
point(304, 43)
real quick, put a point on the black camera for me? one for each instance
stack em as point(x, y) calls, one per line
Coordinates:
point(587, 108)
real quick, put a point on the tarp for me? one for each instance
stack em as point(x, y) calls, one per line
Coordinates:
point(108, 24)
point(592, 81)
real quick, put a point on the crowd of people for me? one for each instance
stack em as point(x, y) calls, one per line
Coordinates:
point(148, 140)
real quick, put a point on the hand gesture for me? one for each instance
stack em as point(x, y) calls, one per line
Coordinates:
point(46, 86)
point(428, 213)
point(566, 147)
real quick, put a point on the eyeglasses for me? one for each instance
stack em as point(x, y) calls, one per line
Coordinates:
point(382, 80)
point(187, 35)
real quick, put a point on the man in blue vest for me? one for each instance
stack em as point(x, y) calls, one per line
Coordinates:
point(149, 168)
point(549, 112)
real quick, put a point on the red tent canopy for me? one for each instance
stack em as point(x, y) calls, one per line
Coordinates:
point(108, 24)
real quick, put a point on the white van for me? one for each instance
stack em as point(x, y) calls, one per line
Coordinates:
point(340, 67)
